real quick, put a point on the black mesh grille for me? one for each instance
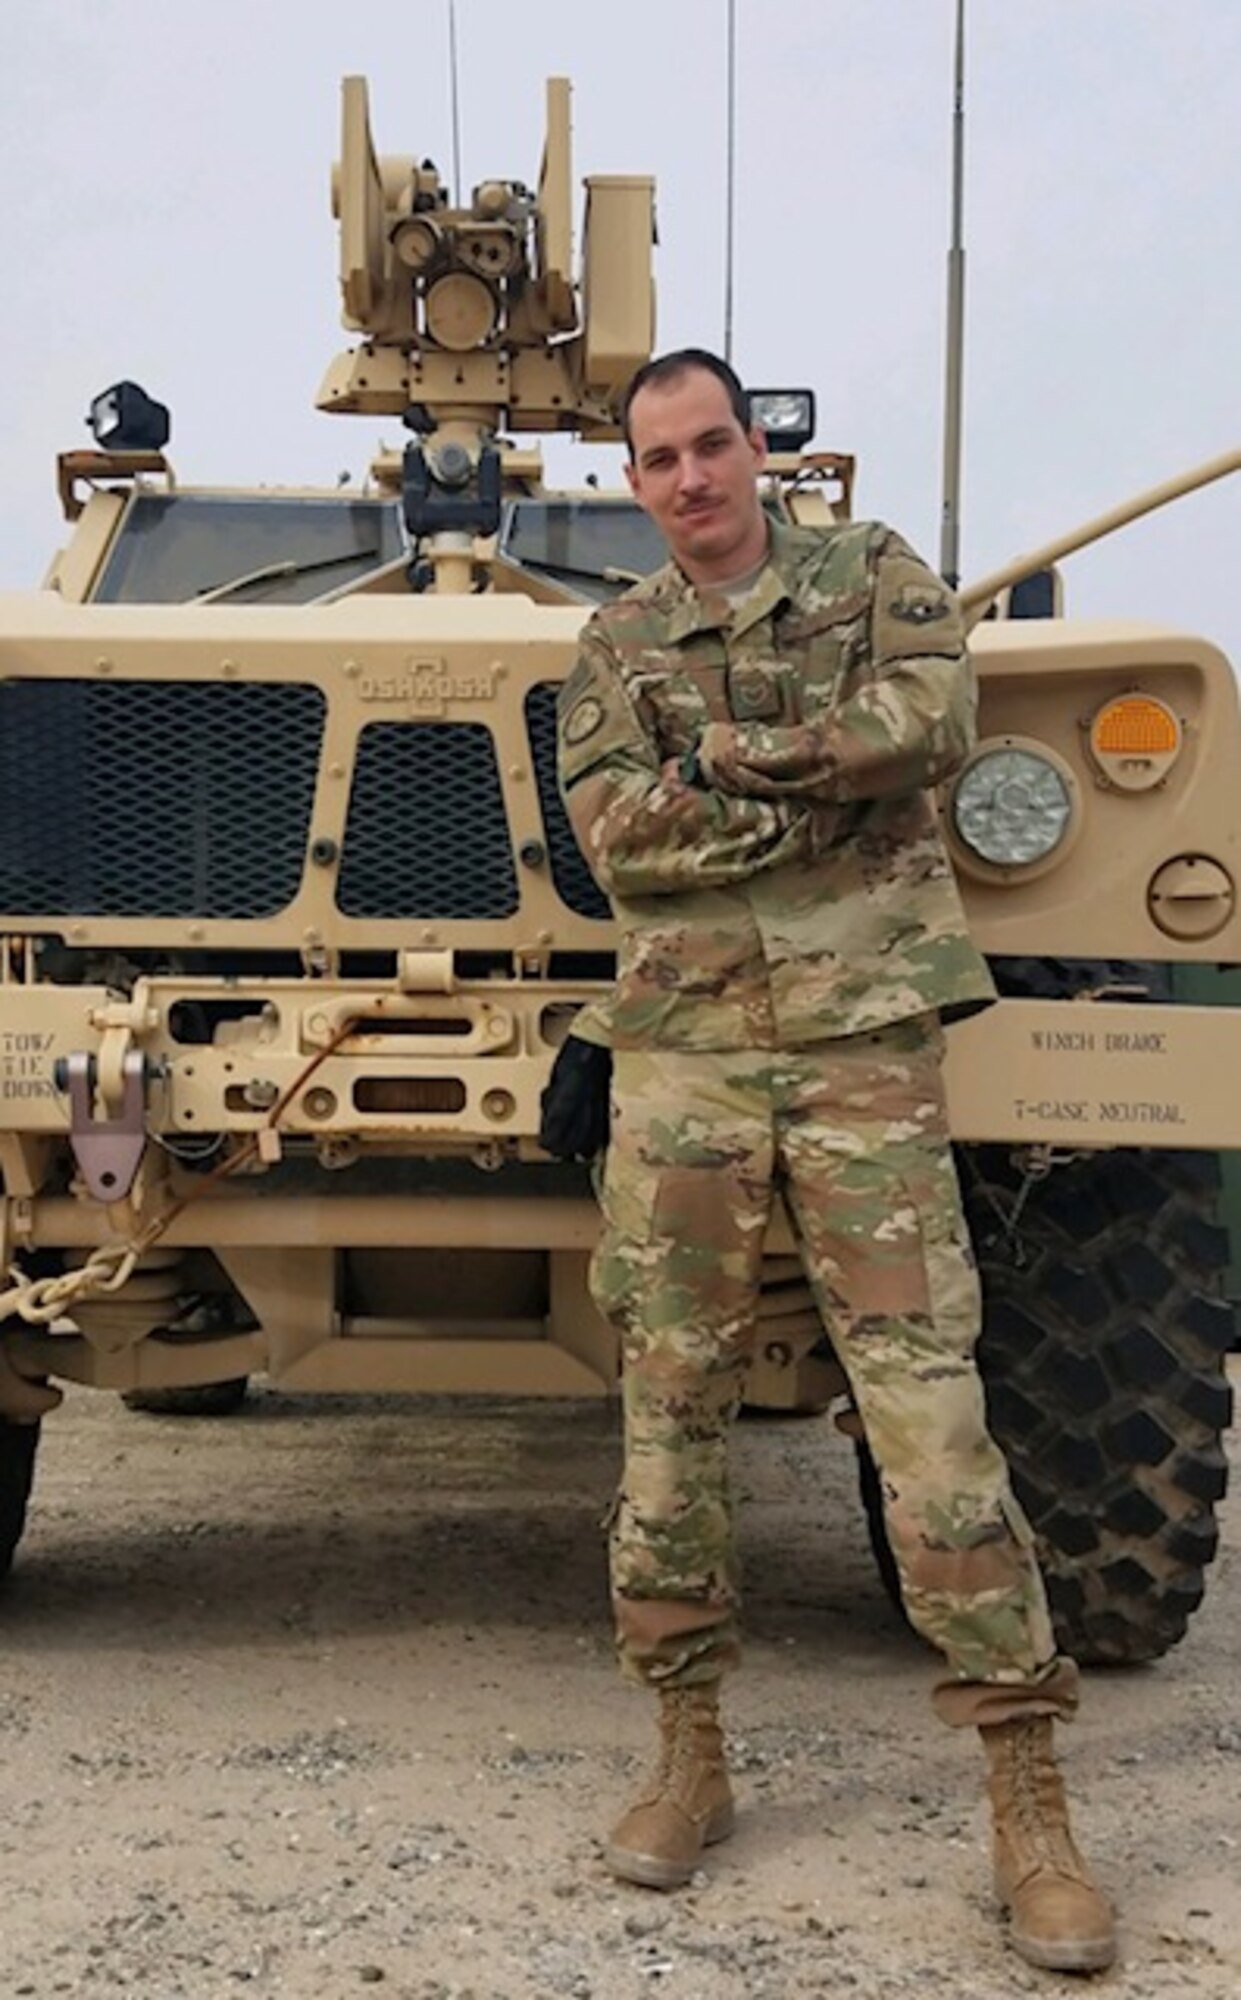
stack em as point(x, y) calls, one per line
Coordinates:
point(155, 799)
point(575, 885)
point(427, 833)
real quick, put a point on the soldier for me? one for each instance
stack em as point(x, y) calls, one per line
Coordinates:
point(747, 744)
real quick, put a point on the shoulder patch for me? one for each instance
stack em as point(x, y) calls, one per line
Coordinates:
point(918, 604)
point(582, 720)
point(915, 612)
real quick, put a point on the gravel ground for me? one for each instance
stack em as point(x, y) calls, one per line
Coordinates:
point(319, 1699)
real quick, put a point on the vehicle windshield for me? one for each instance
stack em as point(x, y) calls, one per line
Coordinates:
point(595, 548)
point(173, 548)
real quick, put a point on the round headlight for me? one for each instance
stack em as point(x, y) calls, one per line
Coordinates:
point(1011, 807)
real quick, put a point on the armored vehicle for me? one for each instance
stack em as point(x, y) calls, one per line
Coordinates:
point(292, 923)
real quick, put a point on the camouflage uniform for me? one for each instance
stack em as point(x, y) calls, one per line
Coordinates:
point(789, 932)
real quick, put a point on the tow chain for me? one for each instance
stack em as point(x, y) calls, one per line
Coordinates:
point(39, 1301)
point(1039, 1163)
point(110, 1265)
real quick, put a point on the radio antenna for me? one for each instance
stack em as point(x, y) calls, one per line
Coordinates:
point(730, 177)
point(456, 108)
point(950, 529)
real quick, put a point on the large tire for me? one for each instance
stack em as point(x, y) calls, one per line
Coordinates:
point(1103, 1345)
point(1103, 1353)
point(18, 1445)
point(204, 1399)
point(1105, 1331)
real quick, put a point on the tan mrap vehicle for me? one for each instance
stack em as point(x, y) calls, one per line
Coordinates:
point(292, 923)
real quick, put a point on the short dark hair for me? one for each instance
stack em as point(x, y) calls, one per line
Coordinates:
point(667, 368)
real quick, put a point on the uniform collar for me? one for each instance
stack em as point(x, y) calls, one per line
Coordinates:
point(689, 611)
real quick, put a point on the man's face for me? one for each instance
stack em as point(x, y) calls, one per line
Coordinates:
point(695, 471)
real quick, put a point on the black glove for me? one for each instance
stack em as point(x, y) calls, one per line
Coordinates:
point(575, 1104)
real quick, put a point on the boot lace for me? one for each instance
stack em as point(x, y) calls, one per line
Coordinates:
point(688, 1741)
point(1039, 1806)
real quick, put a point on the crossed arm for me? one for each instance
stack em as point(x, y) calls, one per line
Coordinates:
point(643, 830)
point(762, 794)
point(907, 726)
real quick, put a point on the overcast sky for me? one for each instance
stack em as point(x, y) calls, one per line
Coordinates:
point(165, 217)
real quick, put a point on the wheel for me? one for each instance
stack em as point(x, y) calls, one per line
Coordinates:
point(203, 1399)
point(1105, 1331)
point(1103, 1356)
point(1103, 1351)
point(18, 1446)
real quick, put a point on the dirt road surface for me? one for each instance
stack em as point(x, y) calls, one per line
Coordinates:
point(319, 1700)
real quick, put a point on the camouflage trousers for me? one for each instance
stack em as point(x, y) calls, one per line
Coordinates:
point(852, 1135)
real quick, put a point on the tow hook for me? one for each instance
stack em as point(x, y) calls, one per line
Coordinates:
point(1035, 1163)
point(108, 1149)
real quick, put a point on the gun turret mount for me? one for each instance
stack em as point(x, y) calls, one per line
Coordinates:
point(472, 315)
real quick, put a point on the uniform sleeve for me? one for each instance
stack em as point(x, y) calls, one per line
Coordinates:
point(643, 835)
point(908, 726)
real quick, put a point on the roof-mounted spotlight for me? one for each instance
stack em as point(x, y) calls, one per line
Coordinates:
point(125, 418)
point(785, 417)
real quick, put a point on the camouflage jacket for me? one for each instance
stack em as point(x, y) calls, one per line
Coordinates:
point(798, 889)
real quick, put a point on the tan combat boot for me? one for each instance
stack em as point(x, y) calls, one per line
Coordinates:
point(688, 1803)
point(1059, 1918)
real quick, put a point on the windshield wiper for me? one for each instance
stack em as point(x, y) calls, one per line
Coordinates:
point(271, 571)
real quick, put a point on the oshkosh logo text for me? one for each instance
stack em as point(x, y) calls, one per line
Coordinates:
point(428, 688)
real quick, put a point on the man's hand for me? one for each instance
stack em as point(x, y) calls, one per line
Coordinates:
point(716, 754)
point(683, 774)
